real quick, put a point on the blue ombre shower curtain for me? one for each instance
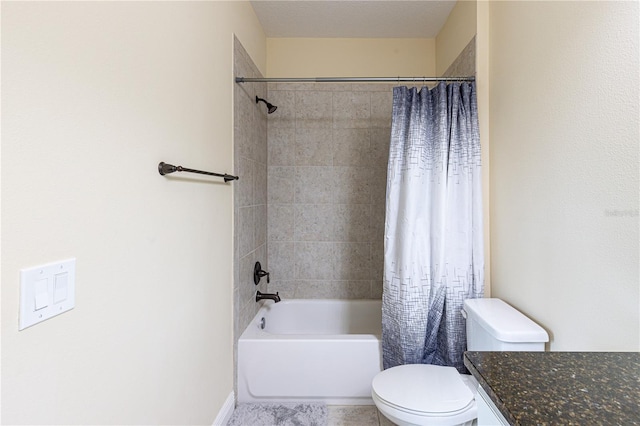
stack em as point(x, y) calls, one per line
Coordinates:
point(433, 252)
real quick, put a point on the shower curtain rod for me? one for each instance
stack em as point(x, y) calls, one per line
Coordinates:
point(350, 79)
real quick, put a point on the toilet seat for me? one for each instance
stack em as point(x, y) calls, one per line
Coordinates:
point(424, 394)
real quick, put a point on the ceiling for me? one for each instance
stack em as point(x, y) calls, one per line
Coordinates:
point(352, 18)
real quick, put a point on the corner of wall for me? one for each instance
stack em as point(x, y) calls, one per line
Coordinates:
point(225, 413)
point(455, 34)
point(482, 91)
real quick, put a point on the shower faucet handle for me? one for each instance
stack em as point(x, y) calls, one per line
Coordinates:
point(259, 273)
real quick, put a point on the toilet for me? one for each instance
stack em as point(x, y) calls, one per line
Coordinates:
point(433, 395)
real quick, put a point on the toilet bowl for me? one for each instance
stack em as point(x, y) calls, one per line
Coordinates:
point(422, 394)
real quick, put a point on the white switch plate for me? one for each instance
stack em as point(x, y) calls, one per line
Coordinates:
point(46, 291)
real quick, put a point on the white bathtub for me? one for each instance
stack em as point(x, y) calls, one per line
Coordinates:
point(311, 350)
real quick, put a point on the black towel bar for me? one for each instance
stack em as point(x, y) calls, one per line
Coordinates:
point(165, 169)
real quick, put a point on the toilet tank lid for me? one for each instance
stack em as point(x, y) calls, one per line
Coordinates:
point(503, 321)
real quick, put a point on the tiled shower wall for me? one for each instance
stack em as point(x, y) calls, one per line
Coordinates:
point(250, 191)
point(327, 159)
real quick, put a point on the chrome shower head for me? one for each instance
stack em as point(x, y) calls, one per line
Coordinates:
point(270, 107)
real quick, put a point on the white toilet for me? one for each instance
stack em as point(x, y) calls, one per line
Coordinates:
point(431, 395)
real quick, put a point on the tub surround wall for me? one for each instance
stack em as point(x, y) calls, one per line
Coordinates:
point(328, 149)
point(250, 195)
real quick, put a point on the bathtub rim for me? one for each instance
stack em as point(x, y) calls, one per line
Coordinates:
point(254, 332)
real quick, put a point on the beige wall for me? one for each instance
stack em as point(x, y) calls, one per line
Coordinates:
point(94, 96)
point(482, 92)
point(456, 33)
point(564, 168)
point(341, 57)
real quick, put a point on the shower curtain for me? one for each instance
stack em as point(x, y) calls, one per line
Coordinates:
point(433, 252)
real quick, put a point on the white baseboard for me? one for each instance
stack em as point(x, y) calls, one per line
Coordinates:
point(226, 411)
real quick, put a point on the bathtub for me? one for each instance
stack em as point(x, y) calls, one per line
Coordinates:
point(311, 350)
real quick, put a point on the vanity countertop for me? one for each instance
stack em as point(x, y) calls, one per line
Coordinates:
point(567, 388)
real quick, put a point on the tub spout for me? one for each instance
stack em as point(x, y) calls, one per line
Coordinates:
point(270, 296)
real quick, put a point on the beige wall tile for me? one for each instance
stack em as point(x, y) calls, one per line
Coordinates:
point(281, 184)
point(242, 122)
point(261, 223)
point(314, 222)
point(260, 152)
point(352, 223)
point(352, 185)
point(352, 147)
point(245, 229)
point(328, 289)
point(381, 109)
point(281, 261)
point(244, 185)
point(286, 289)
point(378, 185)
point(281, 222)
point(380, 138)
point(314, 147)
point(377, 259)
point(351, 110)
point(282, 146)
point(376, 289)
point(352, 261)
point(313, 260)
point(375, 87)
point(314, 185)
point(313, 109)
point(259, 183)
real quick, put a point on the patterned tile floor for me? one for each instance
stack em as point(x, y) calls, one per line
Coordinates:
point(356, 415)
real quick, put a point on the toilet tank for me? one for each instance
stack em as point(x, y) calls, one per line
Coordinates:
point(493, 325)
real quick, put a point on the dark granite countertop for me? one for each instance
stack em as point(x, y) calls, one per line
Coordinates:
point(561, 388)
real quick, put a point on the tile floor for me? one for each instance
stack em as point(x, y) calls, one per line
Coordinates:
point(356, 415)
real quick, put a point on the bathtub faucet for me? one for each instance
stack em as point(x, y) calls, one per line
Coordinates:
point(270, 296)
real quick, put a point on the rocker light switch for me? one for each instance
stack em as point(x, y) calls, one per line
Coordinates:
point(60, 287)
point(42, 294)
point(46, 291)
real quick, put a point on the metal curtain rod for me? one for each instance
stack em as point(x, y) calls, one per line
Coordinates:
point(350, 79)
point(165, 169)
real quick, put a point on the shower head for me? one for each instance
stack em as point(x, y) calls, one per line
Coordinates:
point(270, 108)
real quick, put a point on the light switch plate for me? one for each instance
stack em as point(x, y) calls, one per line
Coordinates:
point(46, 291)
